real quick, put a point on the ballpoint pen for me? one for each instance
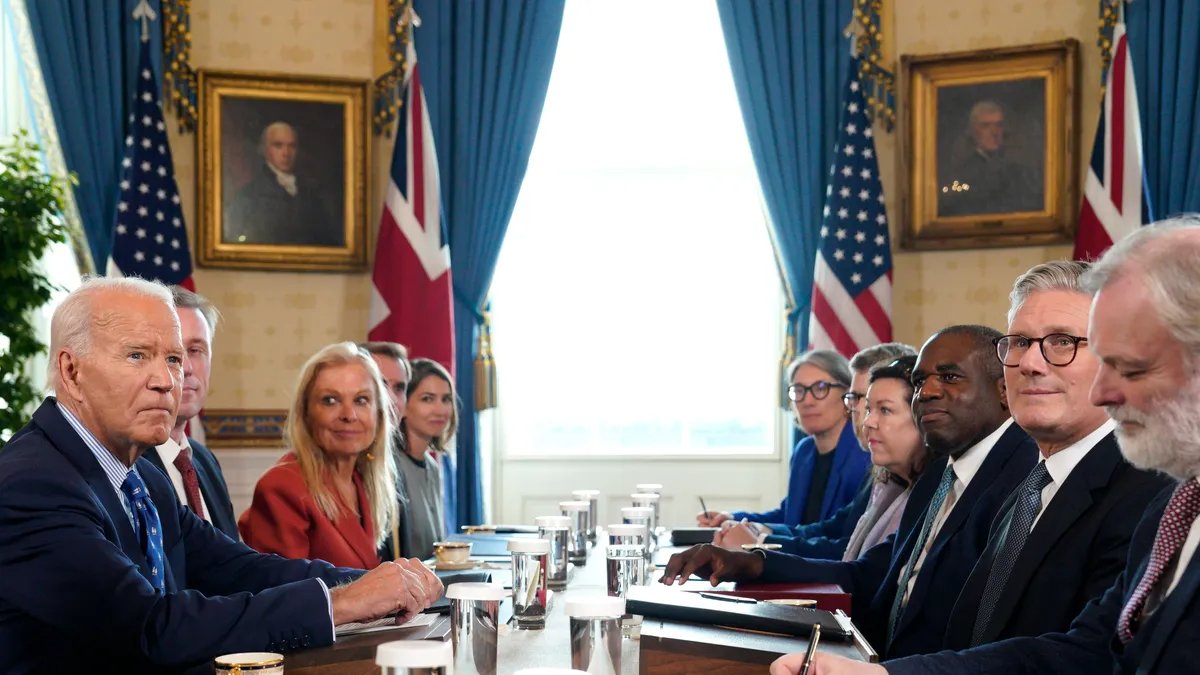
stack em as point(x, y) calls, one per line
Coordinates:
point(706, 515)
point(812, 648)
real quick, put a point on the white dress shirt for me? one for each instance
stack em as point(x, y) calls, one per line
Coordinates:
point(965, 466)
point(1062, 463)
point(287, 181)
point(168, 452)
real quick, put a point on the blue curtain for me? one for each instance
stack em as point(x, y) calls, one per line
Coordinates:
point(485, 66)
point(789, 61)
point(1163, 39)
point(88, 54)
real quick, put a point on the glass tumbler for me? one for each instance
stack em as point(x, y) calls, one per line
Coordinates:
point(596, 633)
point(415, 657)
point(557, 531)
point(579, 513)
point(529, 567)
point(592, 497)
point(474, 624)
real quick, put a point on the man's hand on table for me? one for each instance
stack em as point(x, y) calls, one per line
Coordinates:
point(715, 563)
point(405, 586)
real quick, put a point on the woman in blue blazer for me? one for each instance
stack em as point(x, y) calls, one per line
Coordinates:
point(828, 465)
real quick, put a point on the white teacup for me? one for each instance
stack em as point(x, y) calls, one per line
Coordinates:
point(249, 663)
point(452, 552)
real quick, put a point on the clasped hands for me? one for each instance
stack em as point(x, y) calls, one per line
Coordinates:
point(405, 587)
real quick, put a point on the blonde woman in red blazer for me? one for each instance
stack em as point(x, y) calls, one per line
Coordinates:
point(331, 497)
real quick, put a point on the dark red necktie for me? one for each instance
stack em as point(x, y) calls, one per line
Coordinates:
point(191, 485)
point(1173, 529)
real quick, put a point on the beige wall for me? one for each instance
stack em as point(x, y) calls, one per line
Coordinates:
point(933, 289)
point(275, 320)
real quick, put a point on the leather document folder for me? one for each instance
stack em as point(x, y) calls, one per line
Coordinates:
point(829, 597)
point(662, 602)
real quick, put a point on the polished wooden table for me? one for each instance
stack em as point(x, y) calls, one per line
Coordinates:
point(666, 647)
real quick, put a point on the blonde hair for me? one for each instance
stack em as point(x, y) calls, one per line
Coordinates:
point(376, 466)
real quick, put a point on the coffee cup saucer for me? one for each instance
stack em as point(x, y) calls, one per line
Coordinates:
point(455, 566)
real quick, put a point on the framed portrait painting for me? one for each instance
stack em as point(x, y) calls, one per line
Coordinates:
point(283, 165)
point(988, 146)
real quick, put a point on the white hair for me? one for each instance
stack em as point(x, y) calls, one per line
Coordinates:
point(1166, 259)
point(73, 321)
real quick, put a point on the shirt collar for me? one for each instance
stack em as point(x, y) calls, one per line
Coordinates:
point(170, 450)
point(286, 180)
point(967, 464)
point(113, 468)
point(1061, 463)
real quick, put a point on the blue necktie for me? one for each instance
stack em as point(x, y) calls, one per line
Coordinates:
point(1024, 511)
point(935, 505)
point(147, 526)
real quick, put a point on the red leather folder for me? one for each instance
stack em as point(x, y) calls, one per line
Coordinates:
point(829, 597)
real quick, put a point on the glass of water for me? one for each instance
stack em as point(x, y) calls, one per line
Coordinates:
point(626, 558)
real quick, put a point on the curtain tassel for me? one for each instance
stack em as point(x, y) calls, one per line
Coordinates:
point(485, 364)
point(177, 62)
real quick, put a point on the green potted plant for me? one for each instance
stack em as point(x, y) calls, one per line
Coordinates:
point(31, 207)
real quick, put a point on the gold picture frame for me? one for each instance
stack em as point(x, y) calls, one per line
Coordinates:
point(253, 428)
point(988, 147)
point(282, 176)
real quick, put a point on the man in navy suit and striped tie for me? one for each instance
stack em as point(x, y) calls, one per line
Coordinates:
point(193, 469)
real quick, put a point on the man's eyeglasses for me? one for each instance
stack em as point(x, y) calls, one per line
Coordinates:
point(852, 398)
point(820, 389)
point(1059, 349)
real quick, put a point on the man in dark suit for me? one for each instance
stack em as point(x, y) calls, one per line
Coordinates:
point(193, 468)
point(278, 205)
point(898, 586)
point(1143, 328)
point(1063, 536)
point(101, 569)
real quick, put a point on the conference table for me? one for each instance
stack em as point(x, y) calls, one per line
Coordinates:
point(665, 647)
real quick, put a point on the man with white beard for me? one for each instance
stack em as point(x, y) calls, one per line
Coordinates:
point(1145, 328)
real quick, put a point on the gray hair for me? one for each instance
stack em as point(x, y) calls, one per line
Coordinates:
point(278, 124)
point(1166, 256)
point(1056, 275)
point(880, 354)
point(72, 323)
point(185, 299)
point(827, 360)
point(983, 107)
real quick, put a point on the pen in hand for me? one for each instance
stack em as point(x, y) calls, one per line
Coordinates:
point(706, 514)
point(812, 649)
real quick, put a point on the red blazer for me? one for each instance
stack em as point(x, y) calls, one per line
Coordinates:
point(284, 519)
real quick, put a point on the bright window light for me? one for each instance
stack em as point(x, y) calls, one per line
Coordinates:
point(636, 304)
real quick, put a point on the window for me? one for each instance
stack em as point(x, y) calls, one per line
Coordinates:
point(636, 304)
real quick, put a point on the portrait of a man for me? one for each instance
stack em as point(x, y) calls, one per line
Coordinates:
point(282, 174)
point(991, 139)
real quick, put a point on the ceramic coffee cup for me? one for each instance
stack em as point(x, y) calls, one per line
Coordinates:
point(453, 552)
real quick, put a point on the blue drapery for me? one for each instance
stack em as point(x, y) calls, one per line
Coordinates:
point(485, 67)
point(1162, 41)
point(88, 53)
point(789, 60)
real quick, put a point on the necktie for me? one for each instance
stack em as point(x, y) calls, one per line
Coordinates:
point(1024, 511)
point(147, 526)
point(935, 505)
point(191, 485)
point(1173, 529)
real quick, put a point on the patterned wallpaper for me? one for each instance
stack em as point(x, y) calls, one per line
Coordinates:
point(275, 320)
point(934, 289)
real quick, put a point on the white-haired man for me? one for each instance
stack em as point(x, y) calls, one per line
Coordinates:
point(99, 561)
point(1145, 329)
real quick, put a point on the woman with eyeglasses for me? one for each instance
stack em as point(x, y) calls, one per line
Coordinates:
point(897, 452)
point(828, 465)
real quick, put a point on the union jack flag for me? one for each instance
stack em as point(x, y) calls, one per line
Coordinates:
point(852, 278)
point(1115, 199)
point(412, 301)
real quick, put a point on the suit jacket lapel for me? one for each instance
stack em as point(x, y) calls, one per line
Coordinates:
point(997, 457)
point(68, 442)
point(1169, 614)
point(1070, 503)
point(359, 536)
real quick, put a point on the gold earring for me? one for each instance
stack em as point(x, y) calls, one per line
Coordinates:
point(370, 457)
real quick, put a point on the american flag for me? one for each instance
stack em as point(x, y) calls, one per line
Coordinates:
point(149, 239)
point(852, 277)
point(412, 300)
point(1115, 199)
